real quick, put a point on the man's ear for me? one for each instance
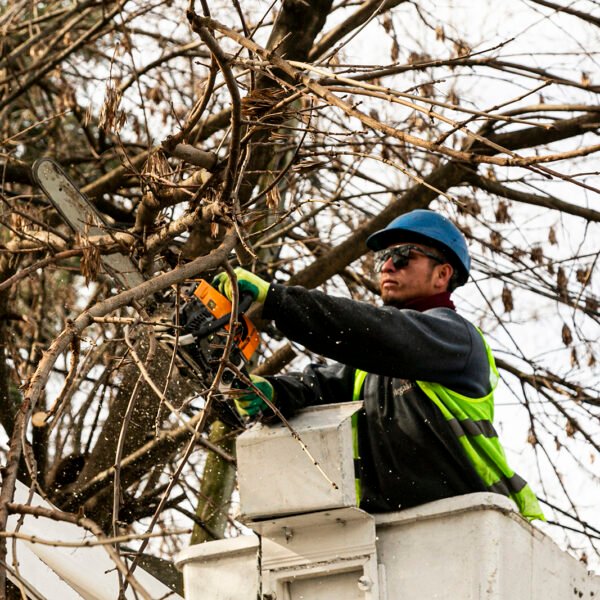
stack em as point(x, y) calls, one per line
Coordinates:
point(443, 276)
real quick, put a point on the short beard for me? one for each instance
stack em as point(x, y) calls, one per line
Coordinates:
point(392, 302)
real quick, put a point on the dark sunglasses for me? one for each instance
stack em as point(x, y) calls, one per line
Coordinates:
point(401, 256)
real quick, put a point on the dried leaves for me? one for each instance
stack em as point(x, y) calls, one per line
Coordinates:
point(257, 105)
point(537, 254)
point(273, 198)
point(461, 48)
point(562, 282)
point(496, 240)
point(111, 118)
point(584, 275)
point(507, 299)
point(574, 358)
point(89, 265)
point(567, 336)
point(388, 26)
point(157, 166)
point(468, 205)
point(585, 78)
point(502, 214)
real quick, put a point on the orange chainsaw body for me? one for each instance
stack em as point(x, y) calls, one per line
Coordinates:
point(247, 338)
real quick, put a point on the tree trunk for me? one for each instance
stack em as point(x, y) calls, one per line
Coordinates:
point(217, 486)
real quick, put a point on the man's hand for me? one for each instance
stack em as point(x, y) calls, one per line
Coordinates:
point(250, 404)
point(248, 283)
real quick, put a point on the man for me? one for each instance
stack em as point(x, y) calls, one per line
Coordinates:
point(425, 374)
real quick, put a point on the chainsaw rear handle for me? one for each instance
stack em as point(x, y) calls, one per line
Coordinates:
point(245, 302)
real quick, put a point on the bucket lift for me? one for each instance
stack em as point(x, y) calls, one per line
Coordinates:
point(312, 542)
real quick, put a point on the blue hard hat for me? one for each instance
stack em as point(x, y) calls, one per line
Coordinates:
point(429, 228)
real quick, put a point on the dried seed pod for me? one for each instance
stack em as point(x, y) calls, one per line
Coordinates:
point(561, 282)
point(502, 214)
point(496, 240)
point(537, 254)
point(507, 299)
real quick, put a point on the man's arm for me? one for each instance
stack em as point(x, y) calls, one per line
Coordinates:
point(437, 345)
point(317, 384)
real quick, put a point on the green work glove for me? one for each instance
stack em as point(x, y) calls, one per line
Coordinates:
point(250, 404)
point(248, 283)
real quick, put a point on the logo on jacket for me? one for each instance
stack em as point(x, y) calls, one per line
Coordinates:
point(401, 386)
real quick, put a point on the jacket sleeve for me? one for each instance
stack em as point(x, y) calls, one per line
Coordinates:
point(317, 384)
point(437, 345)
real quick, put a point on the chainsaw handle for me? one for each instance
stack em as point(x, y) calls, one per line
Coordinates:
point(246, 300)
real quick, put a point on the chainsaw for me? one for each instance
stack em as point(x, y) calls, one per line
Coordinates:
point(199, 328)
point(202, 318)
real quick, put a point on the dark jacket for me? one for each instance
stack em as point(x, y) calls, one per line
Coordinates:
point(408, 453)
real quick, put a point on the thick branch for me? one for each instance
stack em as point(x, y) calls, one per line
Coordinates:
point(364, 12)
point(487, 156)
point(586, 16)
point(493, 187)
point(420, 195)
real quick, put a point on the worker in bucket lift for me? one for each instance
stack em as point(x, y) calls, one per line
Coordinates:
point(425, 374)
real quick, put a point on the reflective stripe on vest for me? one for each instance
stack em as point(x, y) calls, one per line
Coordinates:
point(471, 421)
point(359, 379)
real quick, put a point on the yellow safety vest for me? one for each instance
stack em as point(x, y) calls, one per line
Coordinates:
point(471, 421)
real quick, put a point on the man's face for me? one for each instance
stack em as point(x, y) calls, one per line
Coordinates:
point(418, 275)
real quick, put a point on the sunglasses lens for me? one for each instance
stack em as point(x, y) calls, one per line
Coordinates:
point(400, 257)
point(400, 260)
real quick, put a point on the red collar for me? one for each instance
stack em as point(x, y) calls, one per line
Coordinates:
point(427, 302)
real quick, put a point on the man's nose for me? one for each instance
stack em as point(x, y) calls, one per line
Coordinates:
point(388, 266)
